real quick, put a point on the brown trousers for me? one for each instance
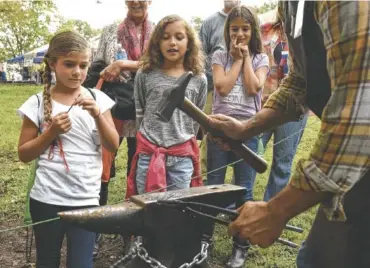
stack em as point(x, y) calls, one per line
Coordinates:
point(332, 244)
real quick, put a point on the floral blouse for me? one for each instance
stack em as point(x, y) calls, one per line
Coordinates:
point(106, 52)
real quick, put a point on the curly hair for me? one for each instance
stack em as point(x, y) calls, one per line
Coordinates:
point(60, 45)
point(153, 58)
point(249, 16)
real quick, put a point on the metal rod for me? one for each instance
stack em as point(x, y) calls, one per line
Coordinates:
point(225, 222)
point(287, 243)
point(293, 228)
point(232, 213)
point(73, 104)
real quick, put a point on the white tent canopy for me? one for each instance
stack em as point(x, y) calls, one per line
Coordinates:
point(269, 16)
point(33, 53)
point(35, 56)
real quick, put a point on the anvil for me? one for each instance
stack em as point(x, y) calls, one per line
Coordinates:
point(131, 216)
point(172, 236)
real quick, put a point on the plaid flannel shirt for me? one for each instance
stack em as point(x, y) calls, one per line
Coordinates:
point(340, 156)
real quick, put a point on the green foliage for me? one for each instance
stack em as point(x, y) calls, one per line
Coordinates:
point(24, 25)
point(196, 22)
point(267, 6)
point(79, 26)
point(13, 178)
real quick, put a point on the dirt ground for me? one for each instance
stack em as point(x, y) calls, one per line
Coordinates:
point(13, 249)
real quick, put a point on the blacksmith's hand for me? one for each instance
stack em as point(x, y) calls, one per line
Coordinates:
point(231, 127)
point(111, 72)
point(219, 142)
point(258, 224)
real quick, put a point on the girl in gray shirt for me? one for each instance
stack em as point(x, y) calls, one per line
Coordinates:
point(169, 147)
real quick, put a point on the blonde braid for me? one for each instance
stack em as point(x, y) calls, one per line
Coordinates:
point(47, 94)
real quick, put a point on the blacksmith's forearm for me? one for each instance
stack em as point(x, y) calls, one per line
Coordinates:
point(264, 120)
point(292, 201)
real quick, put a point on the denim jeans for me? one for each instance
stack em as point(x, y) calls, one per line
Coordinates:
point(244, 174)
point(286, 140)
point(178, 173)
point(49, 238)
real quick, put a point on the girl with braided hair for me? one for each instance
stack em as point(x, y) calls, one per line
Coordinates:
point(64, 127)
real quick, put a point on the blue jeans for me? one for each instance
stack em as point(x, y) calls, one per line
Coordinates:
point(286, 140)
point(244, 173)
point(178, 173)
point(49, 238)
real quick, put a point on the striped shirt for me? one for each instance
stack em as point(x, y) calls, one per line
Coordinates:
point(340, 156)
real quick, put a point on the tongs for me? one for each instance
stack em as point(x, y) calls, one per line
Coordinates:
point(228, 215)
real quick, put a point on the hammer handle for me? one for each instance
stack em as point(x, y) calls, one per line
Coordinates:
point(256, 162)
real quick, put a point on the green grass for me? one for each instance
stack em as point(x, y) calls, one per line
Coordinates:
point(14, 176)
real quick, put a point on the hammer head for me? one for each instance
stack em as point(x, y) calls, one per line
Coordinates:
point(173, 98)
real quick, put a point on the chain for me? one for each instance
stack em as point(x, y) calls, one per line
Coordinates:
point(144, 256)
point(137, 250)
point(199, 258)
point(125, 259)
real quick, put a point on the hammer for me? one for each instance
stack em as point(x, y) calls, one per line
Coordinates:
point(175, 98)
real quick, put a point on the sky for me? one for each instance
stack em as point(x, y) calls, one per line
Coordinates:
point(99, 15)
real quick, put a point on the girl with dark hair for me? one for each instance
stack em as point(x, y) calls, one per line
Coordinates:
point(238, 75)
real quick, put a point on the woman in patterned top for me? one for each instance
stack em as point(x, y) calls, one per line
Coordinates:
point(133, 35)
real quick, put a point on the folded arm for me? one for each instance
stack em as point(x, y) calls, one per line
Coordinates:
point(225, 81)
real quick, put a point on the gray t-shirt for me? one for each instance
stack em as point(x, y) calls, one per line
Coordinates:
point(211, 35)
point(237, 103)
point(149, 88)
